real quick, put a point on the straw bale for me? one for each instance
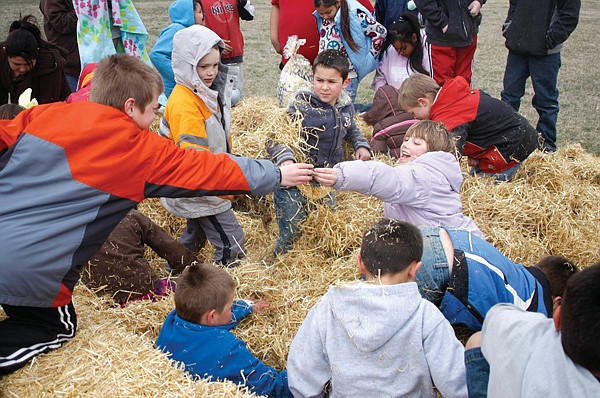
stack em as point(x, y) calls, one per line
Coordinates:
point(551, 207)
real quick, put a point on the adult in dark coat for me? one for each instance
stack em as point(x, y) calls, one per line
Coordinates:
point(27, 61)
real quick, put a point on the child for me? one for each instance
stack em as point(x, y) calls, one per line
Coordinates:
point(535, 32)
point(10, 111)
point(405, 52)
point(327, 118)
point(529, 354)
point(183, 13)
point(27, 61)
point(223, 17)
point(495, 138)
point(197, 116)
point(452, 28)
point(390, 122)
point(466, 276)
point(347, 26)
point(378, 338)
point(423, 189)
point(197, 332)
point(58, 209)
point(120, 270)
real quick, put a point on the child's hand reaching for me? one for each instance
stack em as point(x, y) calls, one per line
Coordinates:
point(326, 176)
point(295, 174)
point(362, 153)
point(259, 306)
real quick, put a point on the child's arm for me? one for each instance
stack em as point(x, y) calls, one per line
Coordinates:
point(308, 368)
point(374, 30)
point(445, 355)
point(161, 55)
point(460, 134)
point(274, 28)
point(432, 12)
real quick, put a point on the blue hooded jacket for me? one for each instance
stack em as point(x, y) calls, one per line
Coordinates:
point(181, 13)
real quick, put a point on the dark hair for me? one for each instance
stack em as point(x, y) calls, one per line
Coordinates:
point(333, 59)
point(403, 30)
point(200, 289)
point(390, 246)
point(345, 18)
point(199, 3)
point(580, 318)
point(10, 111)
point(24, 39)
point(557, 270)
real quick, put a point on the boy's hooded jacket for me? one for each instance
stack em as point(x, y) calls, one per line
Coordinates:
point(47, 79)
point(66, 181)
point(196, 116)
point(425, 191)
point(324, 127)
point(214, 352)
point(376, 340)
point(181, 13)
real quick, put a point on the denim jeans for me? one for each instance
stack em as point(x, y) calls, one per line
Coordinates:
point(503, 176)
point(73, 81)
point(544, 75)
point(433, 276)
point(478, 373)
point(352, 88)
point(291, 209)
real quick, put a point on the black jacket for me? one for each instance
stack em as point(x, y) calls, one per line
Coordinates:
point(535, 27)
point(454, 13)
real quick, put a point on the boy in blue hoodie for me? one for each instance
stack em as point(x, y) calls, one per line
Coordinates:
point(197, 332)
point(183, 13)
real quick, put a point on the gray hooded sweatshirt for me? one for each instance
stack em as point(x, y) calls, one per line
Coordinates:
point(375, 340)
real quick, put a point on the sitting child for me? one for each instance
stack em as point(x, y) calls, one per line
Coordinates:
point(119, 268)
point(389, 122)
point(494, 137)
point(378, 338)
point(198, 117)
point(527, 355)
point(423, 189)
point(466, 276)
point(327, 117)
point(197, 332)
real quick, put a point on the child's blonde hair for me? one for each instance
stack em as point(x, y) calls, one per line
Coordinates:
point(414, 87)
point(122, 76)
point(200, 289)
point(434, 134)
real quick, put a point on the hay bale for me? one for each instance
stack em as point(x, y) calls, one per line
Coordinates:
point(552, 207)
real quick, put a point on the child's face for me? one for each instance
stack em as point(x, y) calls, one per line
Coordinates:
point(422, 110)
point(405, 48)
point(412, 148)
point(144, 117)
point(328, 84)
point(224, 317)
point(328, 12)
point(208, 67)
point(20, 66)
point(198, 15)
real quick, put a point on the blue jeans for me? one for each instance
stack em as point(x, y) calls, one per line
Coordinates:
point(544, 75)
point(291, 209)
point(478, 373)
point(433, 276)
point(73, 81)
point(503, 176)
point(352, 88)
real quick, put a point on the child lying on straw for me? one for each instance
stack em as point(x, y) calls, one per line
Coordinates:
point(197, 332)
point(423, 189)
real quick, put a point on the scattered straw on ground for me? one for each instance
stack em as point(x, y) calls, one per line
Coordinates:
point(552, 207)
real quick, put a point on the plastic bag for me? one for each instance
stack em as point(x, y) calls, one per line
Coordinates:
point(296, 74)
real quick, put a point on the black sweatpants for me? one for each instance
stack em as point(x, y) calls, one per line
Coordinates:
point(30, 331)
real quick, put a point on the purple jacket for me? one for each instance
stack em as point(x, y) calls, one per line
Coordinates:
point(424, 192)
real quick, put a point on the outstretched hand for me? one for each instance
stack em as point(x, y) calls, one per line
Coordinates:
point(296, 174)
point(259, 306)
point(362, 153)
point(326, 176)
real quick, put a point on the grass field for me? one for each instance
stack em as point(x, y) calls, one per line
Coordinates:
point(579, 119)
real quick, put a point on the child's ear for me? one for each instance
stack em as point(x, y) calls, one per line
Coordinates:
point(423, 101)
point(346, 83)
point(556, 318)
point(412, 270)
point(414, 38)
point(361, 265)
point(128, 106)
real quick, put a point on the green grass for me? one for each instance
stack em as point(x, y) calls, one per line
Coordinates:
point(579, 118)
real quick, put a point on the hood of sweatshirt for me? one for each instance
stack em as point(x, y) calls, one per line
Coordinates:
point(446, 164)
point(364, 311)
point(189, 46)
point(182, 12)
